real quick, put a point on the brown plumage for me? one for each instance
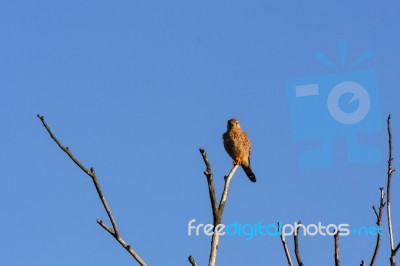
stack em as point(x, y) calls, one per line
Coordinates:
point(238, 145)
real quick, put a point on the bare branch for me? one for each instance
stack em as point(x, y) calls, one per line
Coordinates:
point(286, 249)
point(104, 202)
point(208, 173)
point(108, 229)
point(90, 173)
point(217, 209)
point(376, 213)
point(218, 219)
point(114, 232)
point(214, 249)
point(336, 238)
point(226, 189)
point(396, 249)
point(62, 147)
point(379, 224)
point(192, 261)
point(123, 243)
point(296, 246)
point(390, 171)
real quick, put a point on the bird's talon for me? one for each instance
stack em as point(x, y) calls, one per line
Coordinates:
point(237, 161)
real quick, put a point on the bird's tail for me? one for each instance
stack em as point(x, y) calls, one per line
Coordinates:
point(249, 172)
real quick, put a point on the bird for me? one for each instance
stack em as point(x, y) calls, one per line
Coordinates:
point(238, 145)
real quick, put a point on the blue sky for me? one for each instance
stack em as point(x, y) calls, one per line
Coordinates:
point(134, 88)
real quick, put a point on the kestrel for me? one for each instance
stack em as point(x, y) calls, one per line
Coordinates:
point(238, 145)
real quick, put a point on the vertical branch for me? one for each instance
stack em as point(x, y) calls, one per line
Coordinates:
point(296, 246)
point(378, 215)
point(389, 179)
point(214, 249)
point(336, 238)
point(286, 249)
point(208, 173)
point(217, 210)
point(91, 173)
point(390, 171)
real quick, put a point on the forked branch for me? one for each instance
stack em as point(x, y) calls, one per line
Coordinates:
point(92, 174)
point(217, 209)
point(378, 215)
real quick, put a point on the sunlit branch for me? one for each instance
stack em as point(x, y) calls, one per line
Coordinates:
point(390, 171)
point(286, 249)
point(217, 209)
point(114, 231)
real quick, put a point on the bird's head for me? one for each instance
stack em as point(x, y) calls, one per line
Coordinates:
point(233, 123)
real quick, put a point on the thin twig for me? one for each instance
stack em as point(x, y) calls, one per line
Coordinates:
point(123, 243)
point(296, 246)
point(114, 232)
point(90, 173)
point(396, 249)
point(390, 171)
point(379, 224)
point(104, 202)
point(376, 213)
point(192, 261)
point(286, 249)
point(336, 238)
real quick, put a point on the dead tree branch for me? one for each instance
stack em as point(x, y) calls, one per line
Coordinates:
point(224, 195)
point(286, 249)
point(390, 171)
point(217, 209)
point(296, 246)
point(336, 238)
point(208, 173)
point(91, 173)
point(192, 261)
point(378, 223)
